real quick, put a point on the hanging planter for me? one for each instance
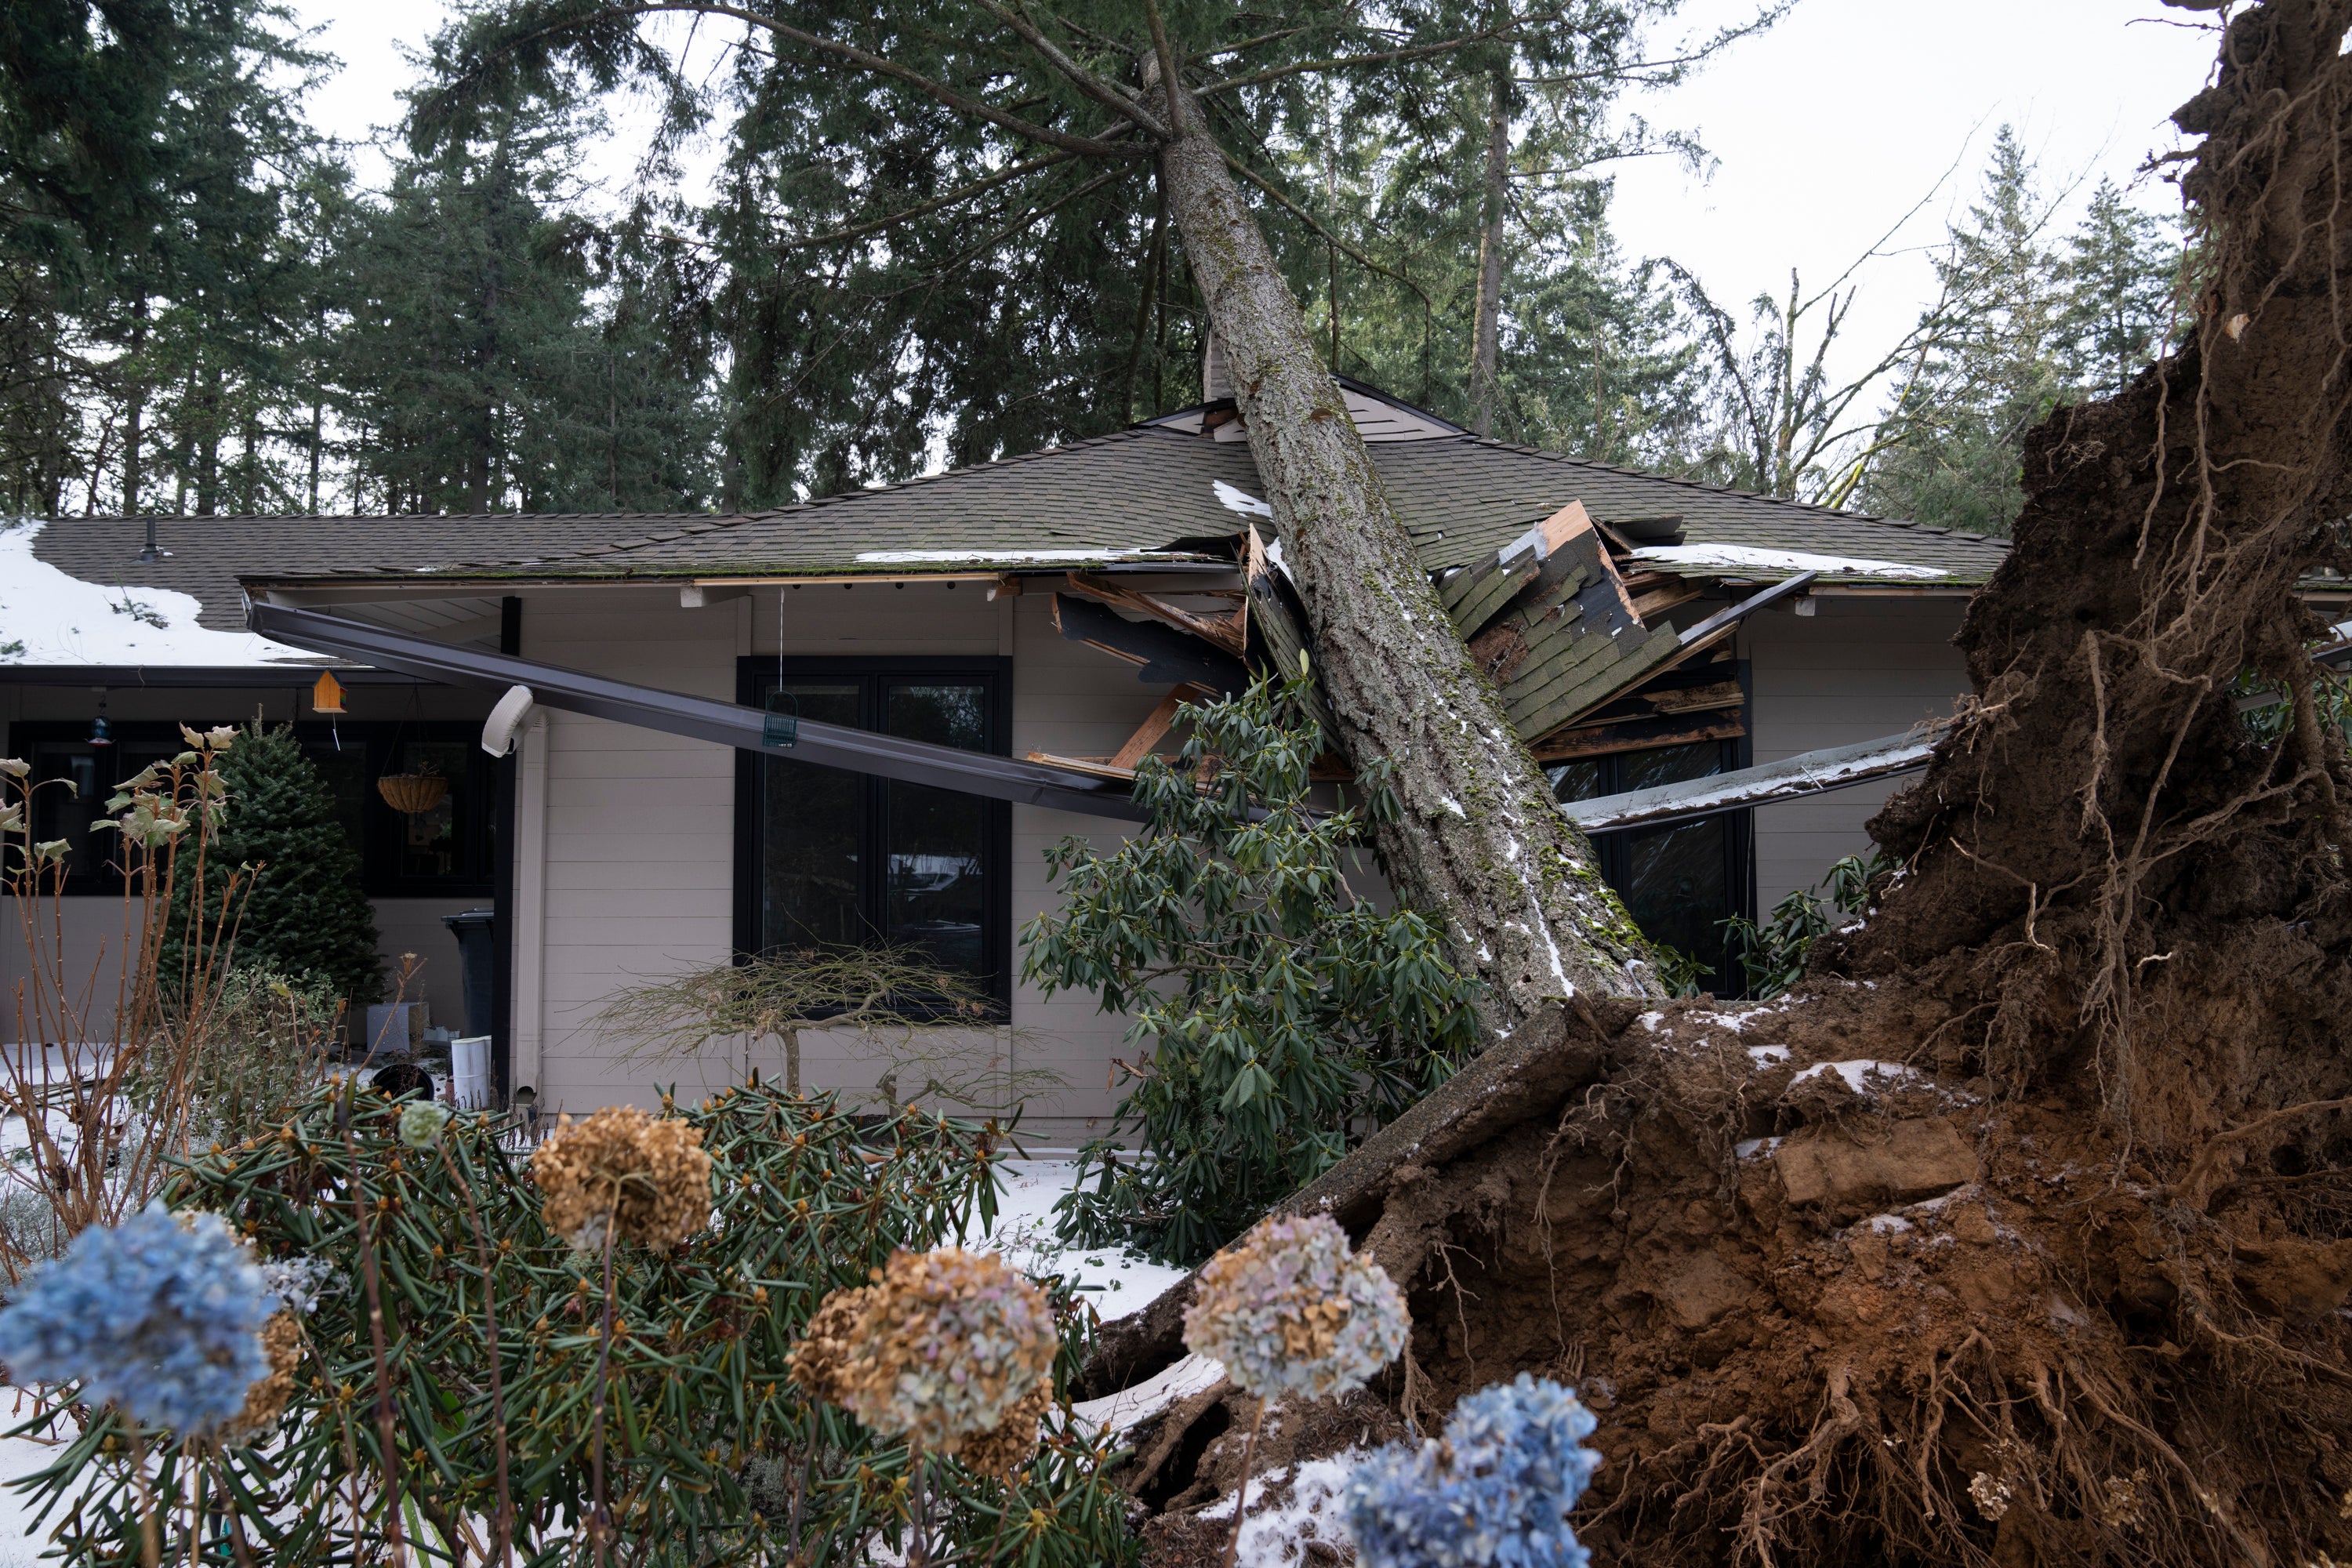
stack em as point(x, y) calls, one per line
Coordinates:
point(413, 795)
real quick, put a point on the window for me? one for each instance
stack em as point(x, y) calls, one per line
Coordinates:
point(447, 852)
point(829, 856)
point(1680, 884)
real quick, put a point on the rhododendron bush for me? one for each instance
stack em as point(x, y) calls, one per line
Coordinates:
point(506, 1395)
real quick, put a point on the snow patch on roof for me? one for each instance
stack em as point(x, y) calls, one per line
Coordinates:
point(912, 557)
point(1240, 501)
point(47, 617)
point(1777, 561)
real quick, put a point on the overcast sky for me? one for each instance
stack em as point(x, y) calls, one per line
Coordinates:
point(1824, 132)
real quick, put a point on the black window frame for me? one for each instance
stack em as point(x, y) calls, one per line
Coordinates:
point(97, 874)
point(1614, 849)
point(757, 675)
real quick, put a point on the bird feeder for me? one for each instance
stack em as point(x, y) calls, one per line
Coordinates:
point(327, 693)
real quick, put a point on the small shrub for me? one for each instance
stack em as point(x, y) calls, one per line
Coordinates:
point(303, 913)
point(1287, 1017)
point(1773, 954)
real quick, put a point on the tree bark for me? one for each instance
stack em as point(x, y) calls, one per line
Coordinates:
point(1485, 350)
point(1479, 844)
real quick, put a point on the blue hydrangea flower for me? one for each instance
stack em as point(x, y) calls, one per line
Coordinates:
point(1290, 1309)
point(160, 1319)
point(1495, 1494)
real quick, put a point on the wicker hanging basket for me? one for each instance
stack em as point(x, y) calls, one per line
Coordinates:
point(413, 795)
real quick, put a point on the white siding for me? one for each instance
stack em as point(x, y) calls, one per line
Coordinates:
point(639, 856)
point(1857, 669)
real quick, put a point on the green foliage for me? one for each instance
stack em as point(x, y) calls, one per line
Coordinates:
point(2027, 323)
point(240, 1062)
point(1286, 1016)
point(305, 915)
point(712, 1454)
point(473, 354)
point(1773, 954)
point(2267, 713)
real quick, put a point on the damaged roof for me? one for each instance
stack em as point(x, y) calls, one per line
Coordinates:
point(1154, 494)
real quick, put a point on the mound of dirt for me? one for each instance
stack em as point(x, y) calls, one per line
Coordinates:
point(2021, 1232)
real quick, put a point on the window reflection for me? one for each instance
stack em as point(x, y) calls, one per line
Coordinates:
point(846, 857)
point(814, 838)
point(1680, 883)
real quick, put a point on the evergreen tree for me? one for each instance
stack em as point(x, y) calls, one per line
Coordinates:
point(305, 916)
point(2122, 269)
point(471, 362)
point(1997, 370)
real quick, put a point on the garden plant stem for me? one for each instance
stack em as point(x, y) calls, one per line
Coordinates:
point(502, 1521)
point(1241, 1498)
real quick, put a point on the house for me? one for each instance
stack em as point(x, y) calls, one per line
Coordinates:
point(1039, 609)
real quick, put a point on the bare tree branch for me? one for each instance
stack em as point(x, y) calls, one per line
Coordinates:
point(881, 64)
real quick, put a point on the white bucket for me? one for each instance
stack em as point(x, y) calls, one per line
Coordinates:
point(469, 1073)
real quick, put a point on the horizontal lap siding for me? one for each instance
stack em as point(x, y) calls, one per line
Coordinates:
point(640, 837)
point(640, 841)
point(1854, 671)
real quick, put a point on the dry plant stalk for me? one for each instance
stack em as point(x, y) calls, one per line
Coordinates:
point(120, 1054)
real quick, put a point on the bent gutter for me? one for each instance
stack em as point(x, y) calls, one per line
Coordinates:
point(1792, 778)
point(698, 718)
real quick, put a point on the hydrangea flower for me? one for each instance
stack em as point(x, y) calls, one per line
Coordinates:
point(646, 1177)
point(1495, 1494)
point(1291, 1309)
point(421, 1121)
point(944, 1346)
point(159, 1318)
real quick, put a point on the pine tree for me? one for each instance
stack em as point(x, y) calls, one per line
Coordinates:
point(2000, 367)
point(305, 916)
point(2121, 269)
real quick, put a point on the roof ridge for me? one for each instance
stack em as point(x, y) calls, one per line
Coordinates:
point(737, 519)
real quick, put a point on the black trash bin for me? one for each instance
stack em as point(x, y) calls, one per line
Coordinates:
point(476, 931)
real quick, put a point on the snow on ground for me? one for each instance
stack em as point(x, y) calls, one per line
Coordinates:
point(1118, 1282)
point(49, 617)
point(20, 1544)
point(1278, 1537)
point(1777, 561)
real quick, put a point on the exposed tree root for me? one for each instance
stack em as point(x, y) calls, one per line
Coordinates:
point(2062, 1278)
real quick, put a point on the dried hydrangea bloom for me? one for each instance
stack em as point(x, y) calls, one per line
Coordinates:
point(161, 1318)
point(1005, 1448)
point(267, 1400)
point(1290, 1309)
point(828, 1343)
point(647, 1177)
point(946, 1343)
point(1495, 1494)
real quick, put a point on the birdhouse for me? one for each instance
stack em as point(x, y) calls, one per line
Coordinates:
point(327, 693)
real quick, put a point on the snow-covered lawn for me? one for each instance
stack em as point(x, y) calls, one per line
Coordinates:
point(1116, 1282)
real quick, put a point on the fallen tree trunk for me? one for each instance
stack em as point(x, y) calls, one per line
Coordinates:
point(2021, 1232)
point(1479, 844)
